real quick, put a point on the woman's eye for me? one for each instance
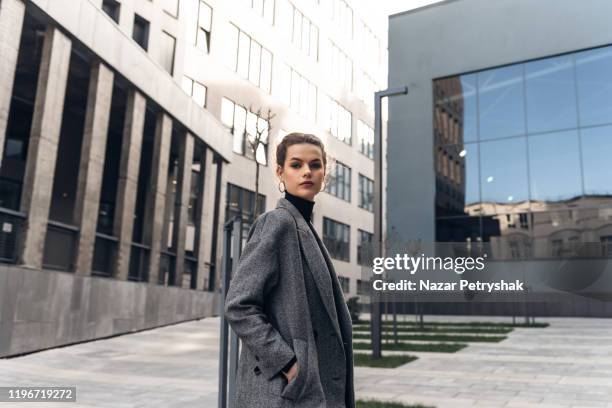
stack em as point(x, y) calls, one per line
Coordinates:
point(295, 165)
point(315, 165)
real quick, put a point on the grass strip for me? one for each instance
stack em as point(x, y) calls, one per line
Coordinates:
point(483, 330)
point(459, 324)
point(370, 403)
point(439, 337)
point(426, 347)
point(366, 360)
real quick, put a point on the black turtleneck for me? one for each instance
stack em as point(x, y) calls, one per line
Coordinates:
point(303, 205)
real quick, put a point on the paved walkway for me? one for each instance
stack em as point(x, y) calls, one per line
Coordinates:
point(568, 364)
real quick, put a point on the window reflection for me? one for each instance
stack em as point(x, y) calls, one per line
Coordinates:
point(457, 190)
point(522, 157)
point(459, 229)
point(470, 108)
point(594, 80)
point(503, 166)
point(451, 97)
point(571, 232)
point(596, 153)
point(551, 96)
point(501, 102)
point(554, 166)
point(508, 235)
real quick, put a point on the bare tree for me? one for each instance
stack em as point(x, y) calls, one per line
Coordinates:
point(260, 138)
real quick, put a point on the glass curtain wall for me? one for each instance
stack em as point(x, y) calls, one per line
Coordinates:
point(522, 154)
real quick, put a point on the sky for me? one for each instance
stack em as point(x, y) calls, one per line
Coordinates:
point(397, 6)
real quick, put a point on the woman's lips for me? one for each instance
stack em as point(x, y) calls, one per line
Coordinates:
point(307, 184)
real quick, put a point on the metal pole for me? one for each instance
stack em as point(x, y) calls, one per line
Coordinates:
point(234, 345)
point(375, 324)
point(225, 280)
point(227, 390)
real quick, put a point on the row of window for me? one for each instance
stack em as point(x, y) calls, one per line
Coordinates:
point(551, 167)
point(249, 59)
point(581, 233)
point(241, 202)
point(140, 34)
point(298, 29)
point(254, 62)
point(339, 185)
point(369, 42)
point(365, 139)
point(548, 95)
point(341, 14)
point(336, 236)
point(302, 95)
point(249, 129)
point(196, 90)
point(263, 8)
point(363, 287)
point(299, 93)
point(365, 87)
point(339, 65)
point(198, 25)
point(522, 157)
point(335, 118)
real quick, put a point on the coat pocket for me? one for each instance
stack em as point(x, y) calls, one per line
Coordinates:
point(294, 389)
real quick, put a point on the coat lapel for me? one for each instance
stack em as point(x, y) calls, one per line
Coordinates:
point(317, 263)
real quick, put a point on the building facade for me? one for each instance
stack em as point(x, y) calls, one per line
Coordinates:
point(126, 130)
point(505, 137)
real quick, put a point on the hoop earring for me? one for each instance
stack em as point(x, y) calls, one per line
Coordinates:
point(323, 186)
point(284, 187)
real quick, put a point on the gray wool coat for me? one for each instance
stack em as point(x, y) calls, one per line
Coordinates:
point(285, 300)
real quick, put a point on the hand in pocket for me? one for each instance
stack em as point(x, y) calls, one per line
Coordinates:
point(292, 373)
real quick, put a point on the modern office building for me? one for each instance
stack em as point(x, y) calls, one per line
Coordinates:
point(505, 138)
point(125, 128)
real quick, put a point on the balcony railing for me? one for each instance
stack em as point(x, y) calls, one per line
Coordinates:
point(105, 250)
point(60, 244)
point(11, 225)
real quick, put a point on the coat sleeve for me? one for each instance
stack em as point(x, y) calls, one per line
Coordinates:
point(256, 273)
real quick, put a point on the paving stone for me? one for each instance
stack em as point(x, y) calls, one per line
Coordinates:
point(176, 366)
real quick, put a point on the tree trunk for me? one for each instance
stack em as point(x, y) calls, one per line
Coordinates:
point(256, 211)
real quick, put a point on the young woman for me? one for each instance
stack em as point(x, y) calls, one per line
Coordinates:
point(285, 302)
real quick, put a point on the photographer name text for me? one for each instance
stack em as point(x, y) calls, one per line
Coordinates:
point(428, 285)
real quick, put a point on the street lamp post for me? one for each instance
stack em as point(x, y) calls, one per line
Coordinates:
point(375, 323)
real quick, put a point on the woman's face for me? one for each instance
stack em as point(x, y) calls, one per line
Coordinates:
point(303, 171)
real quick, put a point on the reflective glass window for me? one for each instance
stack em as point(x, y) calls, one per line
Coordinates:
point(467, 98)
point(554, 166)
point(503, 171)
point(458, 229)
point(596, 159)
point(501, 102)
point(594, 79)
point(243, 55)
point(551, 94)
point(457, 180)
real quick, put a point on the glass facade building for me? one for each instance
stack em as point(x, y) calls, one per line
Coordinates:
point(522, 155)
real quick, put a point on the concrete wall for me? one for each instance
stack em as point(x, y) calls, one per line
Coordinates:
point(454, 37)
point(41, 309)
